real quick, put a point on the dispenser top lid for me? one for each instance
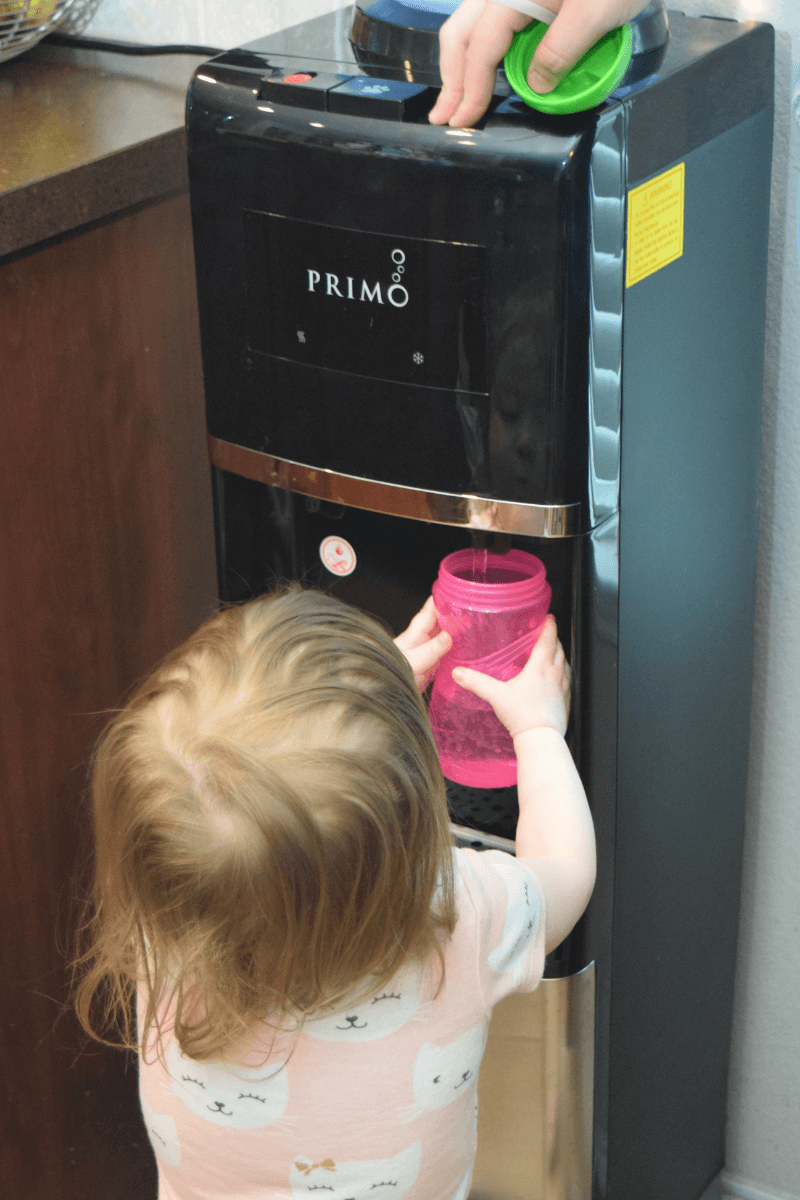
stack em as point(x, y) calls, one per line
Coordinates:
point(413, 14)
point(401, 31)
point(397, 31)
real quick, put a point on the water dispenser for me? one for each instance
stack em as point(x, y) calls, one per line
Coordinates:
point(543, 335)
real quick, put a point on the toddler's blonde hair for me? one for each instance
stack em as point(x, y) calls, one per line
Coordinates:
point(271, 828)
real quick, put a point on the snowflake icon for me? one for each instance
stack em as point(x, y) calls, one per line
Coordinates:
point(419, 359)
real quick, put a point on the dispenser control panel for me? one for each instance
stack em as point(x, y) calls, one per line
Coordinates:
point(404, 309)
point(330, 87)
point(356, 95)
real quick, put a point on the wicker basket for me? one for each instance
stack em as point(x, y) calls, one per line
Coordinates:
point(23, 23)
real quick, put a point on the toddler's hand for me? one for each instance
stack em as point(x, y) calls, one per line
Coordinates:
point(423, 651)
point(537, 697)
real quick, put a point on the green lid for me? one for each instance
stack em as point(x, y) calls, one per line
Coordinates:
point(591, 80)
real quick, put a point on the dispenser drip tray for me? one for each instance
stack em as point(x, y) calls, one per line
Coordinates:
point(490, 810)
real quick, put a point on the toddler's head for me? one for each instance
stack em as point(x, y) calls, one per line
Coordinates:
point(271, 825)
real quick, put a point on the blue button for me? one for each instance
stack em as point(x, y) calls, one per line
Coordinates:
point(390, 99)
point(381, 89)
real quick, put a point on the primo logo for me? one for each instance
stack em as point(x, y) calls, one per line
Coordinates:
point(396, 294)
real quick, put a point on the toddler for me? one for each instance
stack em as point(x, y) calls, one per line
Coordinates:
point(277, 896)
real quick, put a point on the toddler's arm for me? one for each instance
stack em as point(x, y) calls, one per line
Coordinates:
point(555, 833)
point(421, 650)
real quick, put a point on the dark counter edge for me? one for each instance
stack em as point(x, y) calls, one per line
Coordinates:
point(64, 203)
point(133, 175)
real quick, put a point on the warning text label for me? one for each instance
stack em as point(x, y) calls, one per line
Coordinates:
point(655, 224)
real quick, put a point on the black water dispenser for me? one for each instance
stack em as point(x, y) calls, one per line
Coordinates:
point(543, 333)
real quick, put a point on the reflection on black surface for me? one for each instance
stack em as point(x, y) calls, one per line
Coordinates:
point(520, 423)
point(387, 34)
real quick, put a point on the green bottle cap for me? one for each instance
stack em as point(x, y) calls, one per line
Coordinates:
point(591, 80)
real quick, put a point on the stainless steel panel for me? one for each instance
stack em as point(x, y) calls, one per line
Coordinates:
point(535, 1095)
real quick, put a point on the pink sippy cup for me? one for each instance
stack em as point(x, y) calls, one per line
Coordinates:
point(494, 607)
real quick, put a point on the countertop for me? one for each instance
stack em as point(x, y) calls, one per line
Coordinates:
point(84, 135)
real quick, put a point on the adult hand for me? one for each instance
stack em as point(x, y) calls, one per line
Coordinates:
point(576, 28)
point(422, 651)
point(471, 44)
point(478, 34)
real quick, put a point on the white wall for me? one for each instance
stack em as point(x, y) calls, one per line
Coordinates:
point(764, 1108)
point(222, 23)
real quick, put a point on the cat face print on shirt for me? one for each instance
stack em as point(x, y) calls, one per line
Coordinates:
point(378, 1179)
point(162, 1133)
point(379, 1015)
point(233, 1096)
point(443, 1074)
point(520, 924)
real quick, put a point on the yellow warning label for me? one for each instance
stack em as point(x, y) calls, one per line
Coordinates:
point(655, 224)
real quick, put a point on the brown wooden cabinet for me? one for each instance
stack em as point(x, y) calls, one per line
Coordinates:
point(106, 562)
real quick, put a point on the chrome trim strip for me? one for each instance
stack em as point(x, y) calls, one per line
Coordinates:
point(439, 508)
point(606, 255)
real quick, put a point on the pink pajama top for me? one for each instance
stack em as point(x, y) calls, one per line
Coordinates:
point(372, 1102)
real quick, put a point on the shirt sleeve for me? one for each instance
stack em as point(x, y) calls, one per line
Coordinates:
point(508, 906)
point(529, 9)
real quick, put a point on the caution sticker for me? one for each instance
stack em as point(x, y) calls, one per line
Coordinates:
point(655, 224)
point(338, 556)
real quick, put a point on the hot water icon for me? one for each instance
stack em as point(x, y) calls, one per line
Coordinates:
point(338, 556)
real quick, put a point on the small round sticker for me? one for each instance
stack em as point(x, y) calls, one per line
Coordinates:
point(338, 556)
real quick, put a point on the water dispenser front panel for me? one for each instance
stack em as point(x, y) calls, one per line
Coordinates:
point(436, 329)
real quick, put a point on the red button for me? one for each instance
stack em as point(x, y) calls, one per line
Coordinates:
point(299, 78)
